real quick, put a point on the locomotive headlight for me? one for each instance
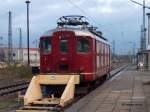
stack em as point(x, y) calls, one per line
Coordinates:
point(81, 69)
point(47, 69)
point(63, 59)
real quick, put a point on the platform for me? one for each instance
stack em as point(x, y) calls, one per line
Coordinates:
point(128, 91)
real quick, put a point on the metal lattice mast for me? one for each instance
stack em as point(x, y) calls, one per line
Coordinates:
point(10, 37)
point(114, 53)
point(20, 44)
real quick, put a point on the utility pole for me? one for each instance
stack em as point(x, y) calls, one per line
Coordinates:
point(10, 38)
point(144, 29)
point(1, 39)
point(20, 45)
point(28, 40)
point(134, 49)
point(36, 42)
point(114, 53)
point(132, 55)
point(20, 38)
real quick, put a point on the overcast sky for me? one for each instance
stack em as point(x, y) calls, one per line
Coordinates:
point(119, 20)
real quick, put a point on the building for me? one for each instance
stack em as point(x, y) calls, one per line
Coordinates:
point(20, 55)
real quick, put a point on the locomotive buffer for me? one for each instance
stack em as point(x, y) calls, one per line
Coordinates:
point(33, 99)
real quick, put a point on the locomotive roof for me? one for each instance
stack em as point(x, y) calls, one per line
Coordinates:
point(77, 31)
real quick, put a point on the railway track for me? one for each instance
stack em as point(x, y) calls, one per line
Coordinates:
point(113, 74)
point(60, 109)
point(13, 88)
point(117, 70)
point(19, 86)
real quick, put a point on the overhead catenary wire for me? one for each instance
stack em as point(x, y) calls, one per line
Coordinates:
point(91, 19)
point(139, 4)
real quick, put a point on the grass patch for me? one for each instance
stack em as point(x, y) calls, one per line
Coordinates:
point(5, 105)
point(16, 72)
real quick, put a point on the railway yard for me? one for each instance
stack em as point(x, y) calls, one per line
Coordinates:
point(96, 59)
point(66, 73)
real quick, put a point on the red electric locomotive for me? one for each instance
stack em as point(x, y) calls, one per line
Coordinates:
point(74, 53)
point(74, 50)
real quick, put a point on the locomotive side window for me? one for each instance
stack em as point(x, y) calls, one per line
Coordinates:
point(46, 46)
point(64, 46)
point(83, 45)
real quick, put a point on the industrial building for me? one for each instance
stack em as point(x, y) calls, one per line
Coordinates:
point(20, 55)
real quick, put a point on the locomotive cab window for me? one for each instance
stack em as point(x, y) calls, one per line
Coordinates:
point(46, 46)
point(64, 46)
point(83, 45)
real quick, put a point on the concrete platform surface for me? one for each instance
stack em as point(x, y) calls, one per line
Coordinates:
point(129, 91)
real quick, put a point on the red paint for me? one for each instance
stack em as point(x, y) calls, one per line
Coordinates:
point(73, 61)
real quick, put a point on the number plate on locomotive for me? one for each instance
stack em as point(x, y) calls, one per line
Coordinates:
point(53, 77)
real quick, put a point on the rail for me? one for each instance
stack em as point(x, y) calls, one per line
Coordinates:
point(13, 88)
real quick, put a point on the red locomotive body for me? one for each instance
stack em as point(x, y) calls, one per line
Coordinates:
point(74, 51)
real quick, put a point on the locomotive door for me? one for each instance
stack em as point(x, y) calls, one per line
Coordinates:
point(64, 53)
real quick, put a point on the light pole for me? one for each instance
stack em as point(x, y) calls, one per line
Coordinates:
point(114, 49)
point(36, 42)
point(28, 40)
point(36, 46)
point(133, 44)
